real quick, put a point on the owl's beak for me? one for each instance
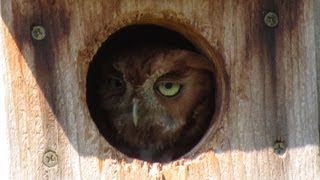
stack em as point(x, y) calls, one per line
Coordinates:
point(135, 109)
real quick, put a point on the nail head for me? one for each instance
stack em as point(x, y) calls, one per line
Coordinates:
point(271, 19)
point(279, 147)
point(50, 158)
point(38, 33)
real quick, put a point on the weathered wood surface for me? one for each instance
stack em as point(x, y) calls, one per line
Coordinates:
point(272, 80)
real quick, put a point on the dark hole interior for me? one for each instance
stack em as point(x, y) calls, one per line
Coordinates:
point(131, 38)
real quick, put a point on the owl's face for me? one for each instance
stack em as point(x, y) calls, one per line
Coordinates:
point(151, 97)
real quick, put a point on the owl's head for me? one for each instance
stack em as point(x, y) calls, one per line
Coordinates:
point(154, 98)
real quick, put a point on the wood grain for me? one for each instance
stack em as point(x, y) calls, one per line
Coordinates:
point(270, 90)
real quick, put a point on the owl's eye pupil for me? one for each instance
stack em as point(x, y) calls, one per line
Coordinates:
point(168, 85)
point(118, 83)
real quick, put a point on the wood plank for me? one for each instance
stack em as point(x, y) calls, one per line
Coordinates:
point(316, 10)
point(4, 139)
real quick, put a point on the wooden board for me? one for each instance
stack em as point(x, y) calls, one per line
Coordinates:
point(271, 76)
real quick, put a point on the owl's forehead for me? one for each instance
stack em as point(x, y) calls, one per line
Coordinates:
point(140, 58)
point(137, 67)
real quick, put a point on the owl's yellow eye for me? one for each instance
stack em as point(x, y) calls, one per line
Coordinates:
point(169, 89)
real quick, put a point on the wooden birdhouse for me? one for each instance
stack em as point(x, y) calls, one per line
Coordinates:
point(265, 59)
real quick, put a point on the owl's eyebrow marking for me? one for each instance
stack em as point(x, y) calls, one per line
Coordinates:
point(115, 75)
point(175, 75)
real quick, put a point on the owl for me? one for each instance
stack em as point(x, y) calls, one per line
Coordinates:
point(154, 104)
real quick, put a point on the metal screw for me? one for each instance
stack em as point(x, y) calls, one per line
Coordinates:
point(50, 158)
point(271, 19)
point(279, 147)
point(38, 33)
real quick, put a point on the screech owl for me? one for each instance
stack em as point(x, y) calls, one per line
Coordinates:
point(157, 103)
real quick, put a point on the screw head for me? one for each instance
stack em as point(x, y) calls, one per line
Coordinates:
point(50, 158)
point(279, 147)
point(271, 19)
point(38, 33)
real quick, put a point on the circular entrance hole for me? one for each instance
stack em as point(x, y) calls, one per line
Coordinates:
point(152, 93)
